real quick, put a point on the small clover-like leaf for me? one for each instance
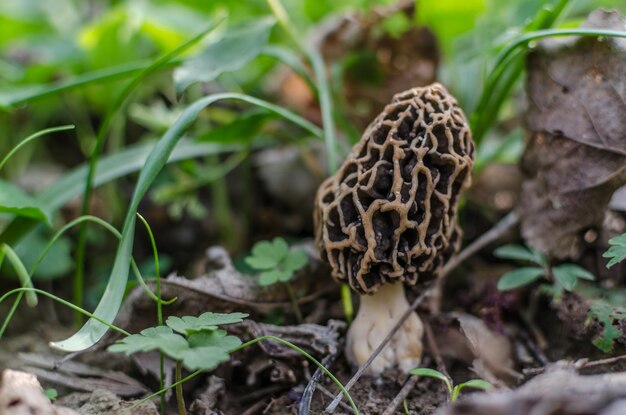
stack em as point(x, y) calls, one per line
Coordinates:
point(617, 251)
point(270, 252)
point(295, 260)
point(205, 358)
point(519, 277)
point(261, 263)
point(214, 338)
point(274, 276)
point(208, 349)
point(207, 321)
point(519, 253)
point(153, 338)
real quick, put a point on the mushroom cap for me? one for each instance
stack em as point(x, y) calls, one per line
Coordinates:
point(389, 213)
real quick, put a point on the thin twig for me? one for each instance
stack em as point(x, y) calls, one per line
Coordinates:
point(493, 234)
point(485, 239)
point(434, 350)
point(329, 394)
point(404, 392)
point(408, 386)
point(333, 405)
point(578, 365)
point(307, 395)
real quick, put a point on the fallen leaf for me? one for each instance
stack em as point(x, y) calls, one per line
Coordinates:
point(575, 157)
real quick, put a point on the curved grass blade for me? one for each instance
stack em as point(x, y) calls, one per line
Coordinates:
point(112, 111)
point(33, 137)
point(127, 161)
point(29, 93)
point(111, 300)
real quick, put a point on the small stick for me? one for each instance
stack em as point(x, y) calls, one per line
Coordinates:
point(333, 405)
point(294, 302)
point(404, 392)
point(579, 364)
point(408, 386)
point(434, 350)
point(485, 239)
point(493, 234)
point(307, 395)
point(330, 395)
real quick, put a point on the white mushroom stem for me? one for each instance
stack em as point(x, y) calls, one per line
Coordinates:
point(377, 315)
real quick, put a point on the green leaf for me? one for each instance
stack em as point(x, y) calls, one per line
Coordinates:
point(235, 49)
point(617, 251)
point(213, 338)
point(476, 384)
point(154, 338)
point(261, 263)
point(564, 277)
point(208, 321)
point(295, 260)
point(568, 274)
point(274, 276)
point(606, 315)
point(432, 373)
point(579, 272)
point(269, 254)
point(519, 277)
point(208, 349)
point(51, 394)
point(519, 253)
point(14, 200)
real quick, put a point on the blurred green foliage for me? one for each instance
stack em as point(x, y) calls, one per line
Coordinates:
point(59, 47)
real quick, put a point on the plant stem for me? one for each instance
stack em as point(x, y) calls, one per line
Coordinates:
point(250, 343)
point(223, 211)
point(159, 304)
point(346, 302)
point(65, 303)
point(294, 302)
point(308, 356)
point(180, 400)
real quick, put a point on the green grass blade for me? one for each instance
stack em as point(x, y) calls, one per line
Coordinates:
point(61, 301)
point(20, 270)
point(112, 111)
point(111, 300)
point(30, 93)
point(508, 67)
point(127, 161)
point(31, 138)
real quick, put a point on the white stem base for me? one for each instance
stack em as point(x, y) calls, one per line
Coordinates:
point(377, 315)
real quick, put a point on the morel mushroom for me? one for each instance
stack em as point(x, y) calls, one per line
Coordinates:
point(388, 216)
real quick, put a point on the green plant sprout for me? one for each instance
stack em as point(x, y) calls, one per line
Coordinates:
point(193, 342)
point(453, 390)
point(51, 394)
point(616, 251)
point(564, 276)
point(277, 263)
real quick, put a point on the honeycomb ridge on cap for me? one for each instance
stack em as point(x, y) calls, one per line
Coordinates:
point(389, 212)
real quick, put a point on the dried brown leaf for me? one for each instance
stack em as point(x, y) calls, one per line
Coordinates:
point(576, 136)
